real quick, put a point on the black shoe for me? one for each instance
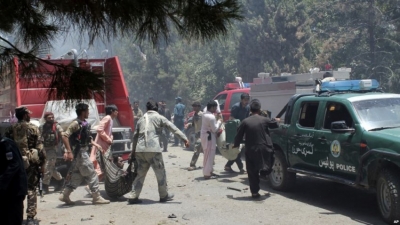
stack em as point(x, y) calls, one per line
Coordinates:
point(30, 221)
point(134, 201)
point(45, 189)
point(167, 198)
point(165, 150)
point(256, 195)
point(59, 186)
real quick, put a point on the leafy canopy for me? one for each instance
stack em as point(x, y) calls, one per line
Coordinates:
point(36, 23)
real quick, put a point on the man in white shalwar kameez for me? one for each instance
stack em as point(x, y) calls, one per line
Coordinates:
point(209, 128)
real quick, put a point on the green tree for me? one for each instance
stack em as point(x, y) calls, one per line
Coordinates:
point(274, 38)
point(364, 36)
point(38, 22)
point(192, 70)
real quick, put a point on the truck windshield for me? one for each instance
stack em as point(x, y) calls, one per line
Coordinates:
point(376, 114)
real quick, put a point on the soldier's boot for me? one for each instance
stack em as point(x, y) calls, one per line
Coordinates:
point(59, 185)
point(45, 189)
point(30, 221)
point(64, 197)
point(167, 198)
point(97, 199)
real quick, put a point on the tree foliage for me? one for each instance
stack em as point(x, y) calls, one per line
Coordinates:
point(277, 36)
point(36, 23)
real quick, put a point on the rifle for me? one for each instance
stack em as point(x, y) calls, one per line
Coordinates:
point(77, 140)
point(71, 166)
point(40, 174)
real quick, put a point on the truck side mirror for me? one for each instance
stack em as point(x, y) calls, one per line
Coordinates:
point(341, 127)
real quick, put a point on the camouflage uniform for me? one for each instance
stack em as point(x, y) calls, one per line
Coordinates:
point(148, 152)
point(197, 146)
point(83, 168)
point(28, 138)
point(51, 134)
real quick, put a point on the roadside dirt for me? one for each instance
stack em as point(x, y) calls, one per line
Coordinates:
point(199, 201)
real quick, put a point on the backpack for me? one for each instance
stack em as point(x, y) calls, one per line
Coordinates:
point(81, 136)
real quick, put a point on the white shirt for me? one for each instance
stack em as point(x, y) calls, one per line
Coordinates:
point(209, 123)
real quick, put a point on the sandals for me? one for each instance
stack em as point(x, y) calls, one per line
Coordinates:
point(191, 168)
point(210, 177)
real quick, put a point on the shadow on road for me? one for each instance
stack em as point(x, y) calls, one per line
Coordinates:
point(77, 203)
point(248, 198)
point(151, 202)
point(359, 205)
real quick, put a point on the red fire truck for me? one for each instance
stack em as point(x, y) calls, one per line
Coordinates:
point(33, 93)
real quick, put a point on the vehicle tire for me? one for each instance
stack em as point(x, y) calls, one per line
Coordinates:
point(171, 138)
point(388, 195)
point(280, 179)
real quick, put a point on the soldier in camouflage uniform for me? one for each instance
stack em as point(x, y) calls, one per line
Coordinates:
point(146, 150)
point(196, 123)
point(51, 133)
point(28, 139)
point(77, 142)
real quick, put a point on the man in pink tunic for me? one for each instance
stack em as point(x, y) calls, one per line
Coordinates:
point(208, 137)
point(104, 136)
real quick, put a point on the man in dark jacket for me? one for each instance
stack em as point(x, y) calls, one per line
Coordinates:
point(13, 183)
point(179, 116)
point(164, 137)
point(239, 111)
point(259, 149)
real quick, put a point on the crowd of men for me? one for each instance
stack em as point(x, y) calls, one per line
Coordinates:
point(29, 153)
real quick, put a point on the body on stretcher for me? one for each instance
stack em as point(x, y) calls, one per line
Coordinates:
point(226, 148)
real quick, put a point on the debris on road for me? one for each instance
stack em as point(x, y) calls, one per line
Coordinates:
point(86, 219)
point(172, 216)
point(184, 217)
point(235, 189)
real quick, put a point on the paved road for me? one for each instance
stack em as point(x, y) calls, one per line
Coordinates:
point(199, 201)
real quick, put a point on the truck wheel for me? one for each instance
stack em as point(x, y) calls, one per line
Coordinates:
point(388, 195)
point(280, 179)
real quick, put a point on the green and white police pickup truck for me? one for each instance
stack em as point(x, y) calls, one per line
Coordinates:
point(348, 132)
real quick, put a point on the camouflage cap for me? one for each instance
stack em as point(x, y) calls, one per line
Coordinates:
point(22, 110)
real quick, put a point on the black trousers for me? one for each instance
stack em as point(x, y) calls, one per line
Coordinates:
point(164, 137)
point(238, 161)
point(258, 160)
point(179, 123)
point(12, 209)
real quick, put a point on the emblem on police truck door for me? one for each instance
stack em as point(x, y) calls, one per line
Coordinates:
point(335, 148)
